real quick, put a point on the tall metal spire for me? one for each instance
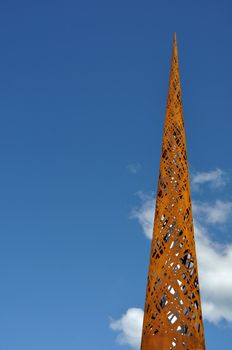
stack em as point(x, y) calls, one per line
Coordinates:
point(172, 314)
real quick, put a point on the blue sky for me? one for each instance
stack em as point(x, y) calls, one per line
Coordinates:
point(83, 87)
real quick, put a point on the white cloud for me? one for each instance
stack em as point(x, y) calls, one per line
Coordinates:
point(134, 168)
point(215, 178)
point(214, 261)
point(129, 327)
point(145, 213)
point(212, 213)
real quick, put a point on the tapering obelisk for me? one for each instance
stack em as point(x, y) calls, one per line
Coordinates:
point(172, 313)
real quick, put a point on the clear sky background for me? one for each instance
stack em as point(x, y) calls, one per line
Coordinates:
point(83, 87)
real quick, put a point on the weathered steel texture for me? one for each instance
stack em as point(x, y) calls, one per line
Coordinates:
point(172, 314)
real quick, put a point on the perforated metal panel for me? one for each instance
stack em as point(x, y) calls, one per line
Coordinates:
point(172, 314)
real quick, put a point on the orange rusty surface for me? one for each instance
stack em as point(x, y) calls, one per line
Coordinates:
point(172, 313)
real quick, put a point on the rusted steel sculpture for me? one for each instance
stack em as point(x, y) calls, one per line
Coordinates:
point(172, 314)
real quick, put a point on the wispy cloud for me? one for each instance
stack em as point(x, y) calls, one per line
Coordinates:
point(214, 261)
point(129, 327)
point(215, 178)
point(134, 168)
point(215, 274)
point(145, 213)
point(212, 213)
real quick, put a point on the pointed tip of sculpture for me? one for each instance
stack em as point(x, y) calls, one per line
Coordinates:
point(175, 51)
point(174, 39)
